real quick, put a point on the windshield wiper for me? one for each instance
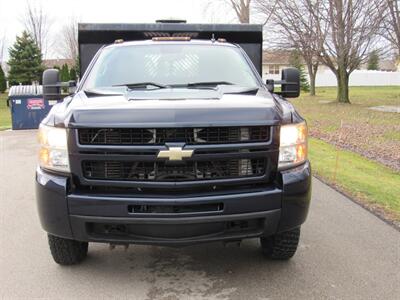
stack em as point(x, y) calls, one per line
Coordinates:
point(142, 85)
point(202, 84)
point(209, 83)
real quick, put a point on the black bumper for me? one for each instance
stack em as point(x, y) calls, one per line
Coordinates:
point(88, 217)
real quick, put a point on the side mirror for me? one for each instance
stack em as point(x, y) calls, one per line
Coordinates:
point(290, 87)
point(52, 87)
point(290, 83)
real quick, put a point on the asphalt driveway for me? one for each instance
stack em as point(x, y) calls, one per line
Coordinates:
point(345, 253)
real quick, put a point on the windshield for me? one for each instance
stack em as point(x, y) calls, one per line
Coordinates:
point(170, 64)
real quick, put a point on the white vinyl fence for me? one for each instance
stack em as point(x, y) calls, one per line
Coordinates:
point(325, 77)
point(359, 78)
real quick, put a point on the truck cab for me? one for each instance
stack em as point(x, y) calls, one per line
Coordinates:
point(172, 138)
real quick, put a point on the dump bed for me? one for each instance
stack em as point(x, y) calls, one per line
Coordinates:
point(92, 37)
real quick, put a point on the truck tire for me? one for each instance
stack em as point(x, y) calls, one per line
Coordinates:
point(281, 246)
point(67, 252)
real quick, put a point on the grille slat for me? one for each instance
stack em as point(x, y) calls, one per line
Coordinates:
point(164, 171)
point(159, 136)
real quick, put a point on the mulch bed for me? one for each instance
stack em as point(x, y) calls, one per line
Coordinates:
point(363, 140)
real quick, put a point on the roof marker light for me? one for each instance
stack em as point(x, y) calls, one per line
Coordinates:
point(171, 38)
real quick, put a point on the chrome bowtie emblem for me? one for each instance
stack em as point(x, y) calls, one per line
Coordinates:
point(175, 153)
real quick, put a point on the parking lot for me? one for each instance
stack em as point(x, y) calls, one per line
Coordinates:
point(345, 253)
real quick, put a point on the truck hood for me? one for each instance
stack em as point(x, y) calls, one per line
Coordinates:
point(166, 108)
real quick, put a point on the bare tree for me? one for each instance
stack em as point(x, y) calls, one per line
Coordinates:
point(345, 32)
point(37, 23)
point(69, 39)
point(2, 47)
point(294, 28)
point(391, 23)
point(242, 9)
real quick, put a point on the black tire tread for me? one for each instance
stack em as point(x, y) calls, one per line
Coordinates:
point(281, 246)
point(67, 252)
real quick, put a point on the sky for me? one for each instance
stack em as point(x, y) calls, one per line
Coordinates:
point(108, 11)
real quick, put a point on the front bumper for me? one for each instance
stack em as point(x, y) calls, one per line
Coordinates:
point(104, 218)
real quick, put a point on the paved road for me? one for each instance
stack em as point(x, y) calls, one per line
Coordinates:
point(345, 253)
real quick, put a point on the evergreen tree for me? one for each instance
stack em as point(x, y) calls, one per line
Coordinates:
point(25, 61)
point(77, 67)
point(64, 73)
point(3, 84)
point(296, 62)
point(373, 61)
point(72, 74)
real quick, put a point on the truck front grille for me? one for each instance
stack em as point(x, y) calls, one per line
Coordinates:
point(165, 171)
point(160, 136)
point(126, 159)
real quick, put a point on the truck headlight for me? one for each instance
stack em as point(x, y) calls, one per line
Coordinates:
point(53, 153)
point(293, 145)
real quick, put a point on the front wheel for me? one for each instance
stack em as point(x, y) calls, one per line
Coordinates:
point(281, 246)
point(67, 252)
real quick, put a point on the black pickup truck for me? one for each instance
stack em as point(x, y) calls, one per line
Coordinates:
point(171, 138)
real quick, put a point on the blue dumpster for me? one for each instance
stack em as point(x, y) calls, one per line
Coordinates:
point(28, 108)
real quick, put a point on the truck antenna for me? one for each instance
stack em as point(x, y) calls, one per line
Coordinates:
point(213, 38)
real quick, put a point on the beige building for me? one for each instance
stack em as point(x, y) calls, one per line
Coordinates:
point(274, 61)
point(50, 63)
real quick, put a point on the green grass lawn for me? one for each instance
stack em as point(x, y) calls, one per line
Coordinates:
point(374, 184)
point(5, 117)
point(360, 95)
